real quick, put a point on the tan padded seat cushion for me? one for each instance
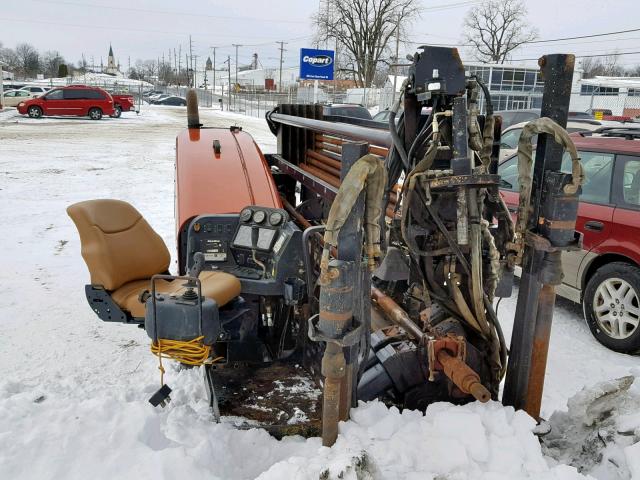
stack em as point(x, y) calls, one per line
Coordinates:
point(118, 245)
point(219, 286)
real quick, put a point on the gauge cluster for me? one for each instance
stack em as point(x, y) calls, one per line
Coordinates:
point(267, 222)
point(263, 216)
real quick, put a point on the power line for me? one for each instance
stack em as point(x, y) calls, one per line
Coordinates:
point(129, 29)
point(584, 56)
point(536, 41)
point(585, 36)
point(172, 13)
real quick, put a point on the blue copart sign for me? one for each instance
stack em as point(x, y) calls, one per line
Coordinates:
point(316, 64)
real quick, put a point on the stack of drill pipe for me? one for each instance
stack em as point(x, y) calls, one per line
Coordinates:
point(334, 144)
point(323, 161)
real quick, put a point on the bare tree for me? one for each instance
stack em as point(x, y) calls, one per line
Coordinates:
point(51, 60)
point(363, 29)
point(28, 59)
point(495, 28)
point(9, 57)
point(602, 66)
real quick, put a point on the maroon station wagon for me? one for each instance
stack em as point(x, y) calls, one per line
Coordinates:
point(605, 274)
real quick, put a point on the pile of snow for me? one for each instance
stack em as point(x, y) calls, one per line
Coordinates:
point(600, 432)
point(74, 427)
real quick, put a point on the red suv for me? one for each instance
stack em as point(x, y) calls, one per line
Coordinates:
point(605, 274)
point(77, 100)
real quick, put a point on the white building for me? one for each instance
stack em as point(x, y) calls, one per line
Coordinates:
point(621, 95)
point(256, 78)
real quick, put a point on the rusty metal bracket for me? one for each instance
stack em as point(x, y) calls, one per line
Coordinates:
point(454, 344)
point(349, 338)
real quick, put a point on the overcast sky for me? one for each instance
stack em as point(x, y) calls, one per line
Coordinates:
point(145, 29)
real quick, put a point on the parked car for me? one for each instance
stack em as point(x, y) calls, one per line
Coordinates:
point(36, 91)
point(11, 98)
point(157, 97)
point(152, 92)
point(122, 103)
point(510, 136)
point(605, 274)
point(76, 100)
point(511, 117)
point(176, 101)
point(346, 110)
point(580, 116)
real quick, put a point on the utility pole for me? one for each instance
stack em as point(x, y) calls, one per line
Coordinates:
point(395, 60)
point(179, 63)
point(195, 71)
point(190, 62)
point(214, 69)
point(186, 61)
point(282, 44)
point(236, 45)
point(229, 89)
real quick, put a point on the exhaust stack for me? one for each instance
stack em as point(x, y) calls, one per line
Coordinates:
point(193, 117)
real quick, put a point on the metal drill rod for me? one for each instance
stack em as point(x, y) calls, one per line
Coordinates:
point(378, 137)
point(534, 311)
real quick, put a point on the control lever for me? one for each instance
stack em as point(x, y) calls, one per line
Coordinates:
point(194, 272)
point(198, 265)
point(255, 235)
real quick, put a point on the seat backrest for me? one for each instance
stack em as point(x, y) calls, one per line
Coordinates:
point(118, 245)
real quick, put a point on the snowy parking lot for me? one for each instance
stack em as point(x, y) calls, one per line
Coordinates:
point(74, 390)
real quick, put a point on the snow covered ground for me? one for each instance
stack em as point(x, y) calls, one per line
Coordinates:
point(74, 390)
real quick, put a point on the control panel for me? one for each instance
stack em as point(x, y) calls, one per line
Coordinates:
point(260, 246)
point(259, 227)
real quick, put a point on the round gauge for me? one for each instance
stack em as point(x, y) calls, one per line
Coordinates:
point(245, 215)
point(275, 218)
point(259, 216)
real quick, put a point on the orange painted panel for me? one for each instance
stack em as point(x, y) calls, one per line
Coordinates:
point(207, 183)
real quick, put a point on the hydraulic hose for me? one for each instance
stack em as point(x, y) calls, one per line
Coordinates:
point(398, 143)
point(368, 174)
point(525, 164)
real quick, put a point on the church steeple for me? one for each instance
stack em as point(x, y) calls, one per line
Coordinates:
point(112, 67)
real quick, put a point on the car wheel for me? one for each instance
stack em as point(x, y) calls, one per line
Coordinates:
point(117, 111)
point(612, 306)
point(95, 113)
point(34, 112)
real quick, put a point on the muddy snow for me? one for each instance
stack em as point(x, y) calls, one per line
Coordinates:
point(74, 390)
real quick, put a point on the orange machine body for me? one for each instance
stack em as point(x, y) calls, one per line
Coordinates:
point(208, 182)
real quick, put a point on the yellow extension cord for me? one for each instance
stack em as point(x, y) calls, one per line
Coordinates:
point(192, 352)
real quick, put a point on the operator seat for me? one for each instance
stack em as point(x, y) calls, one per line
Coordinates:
point(123, 252)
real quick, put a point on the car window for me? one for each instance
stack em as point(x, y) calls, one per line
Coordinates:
point(631, 182)
point(55, 95)
point(510, 138)
point(355, 112)
point(10, 94)
point(75, 94)
point(94, 94)
point(598, 170)
point(508, 172)
point(21, 94)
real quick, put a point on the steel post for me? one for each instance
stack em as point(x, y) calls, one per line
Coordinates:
point(350, 242)
point(541, 262)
